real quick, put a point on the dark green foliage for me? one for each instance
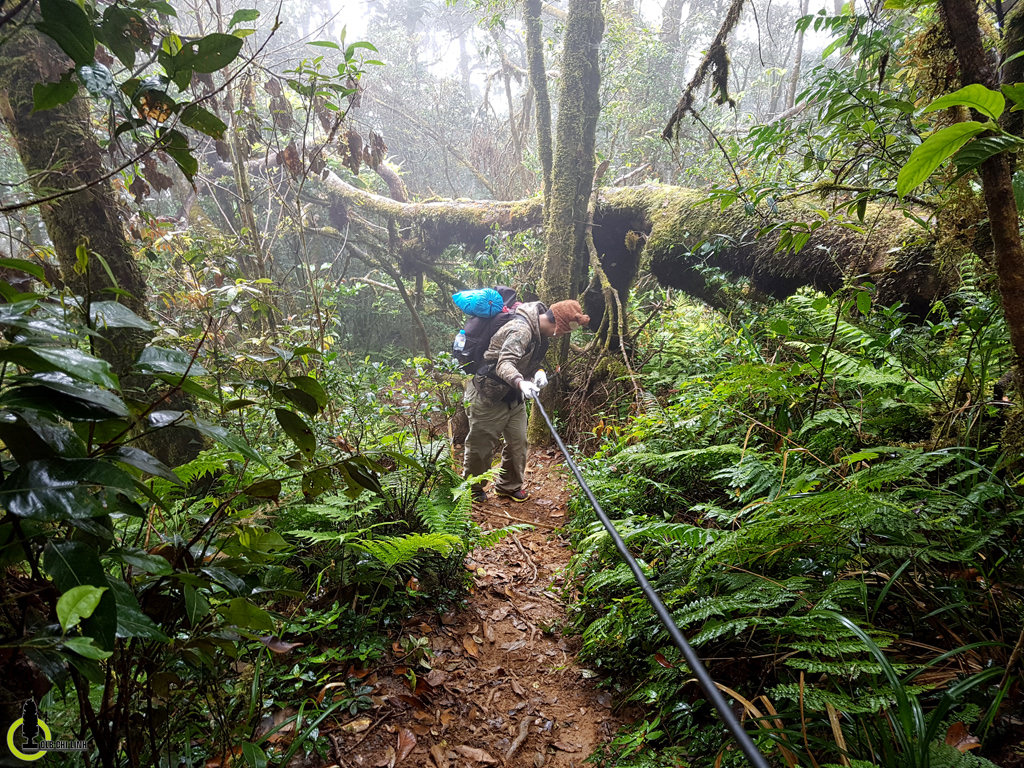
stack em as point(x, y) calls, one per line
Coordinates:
point(801, 468)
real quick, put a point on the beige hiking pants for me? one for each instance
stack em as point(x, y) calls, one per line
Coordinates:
point(488, 425)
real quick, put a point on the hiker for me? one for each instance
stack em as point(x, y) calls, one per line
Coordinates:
point(497, 392)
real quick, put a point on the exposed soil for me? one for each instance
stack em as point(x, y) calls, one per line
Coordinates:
point(503, 686)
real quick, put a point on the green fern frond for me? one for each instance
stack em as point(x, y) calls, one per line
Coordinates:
point(490, 538)
point(398, 550)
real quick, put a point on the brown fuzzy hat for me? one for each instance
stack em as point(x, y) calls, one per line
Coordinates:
point(568, 316)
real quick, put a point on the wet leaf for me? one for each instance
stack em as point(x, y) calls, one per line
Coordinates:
point(958, 736)
point(472, 753)
point(406, 743)
point(358, 725)
point(663, 661)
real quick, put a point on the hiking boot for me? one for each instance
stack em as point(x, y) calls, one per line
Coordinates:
point(519, 495)
point(480, 495)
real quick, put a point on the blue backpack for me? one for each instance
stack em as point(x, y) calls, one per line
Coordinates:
point(486, 315)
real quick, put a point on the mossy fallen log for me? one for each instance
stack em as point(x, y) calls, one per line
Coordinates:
point(671, 233)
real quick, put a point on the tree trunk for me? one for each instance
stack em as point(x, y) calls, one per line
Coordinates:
point(565, 257)
point(59, 151)
point(539, 85)
point(977, 66)
point(797, 59)
point(671, 24)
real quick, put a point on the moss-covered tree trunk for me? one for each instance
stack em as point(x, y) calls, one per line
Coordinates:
point(962, 23)
point(59, 152)
point(565, 257)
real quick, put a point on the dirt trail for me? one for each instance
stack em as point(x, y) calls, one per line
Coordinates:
point(503, 686)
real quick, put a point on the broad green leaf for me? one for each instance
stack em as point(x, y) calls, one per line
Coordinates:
point(863, 302)
point(185, 160)
point(197, 607)
point(317, 483)
point(71, 564)
point(297, 429)
point(215, 52)
point(84, 646)
point(990, 103)
point(143, 560)
point(131, 621)
point(325, 44)
point(30, 436)
point(245, 615)
point(111, 314)
point(66, 23)
point(78, 603)
point(938, 147)
point(114, 30)
point(222, 436)
point(264, 489)
point(148, 463)
point(159, 360)
point(1018, 191)
point(204, 121)
point(1015, 93)
point(68, 399)
point(981, 149)
point(33, 268)
point(79, 364)
point(50, 95)
point(254, 756)
point(97, 80)
point(243, 15)
point(311, 387)
point(304, 402)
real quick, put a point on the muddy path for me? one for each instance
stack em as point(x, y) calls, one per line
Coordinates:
point(503, 686)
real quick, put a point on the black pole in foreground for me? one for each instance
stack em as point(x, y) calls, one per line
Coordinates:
point(710, 689)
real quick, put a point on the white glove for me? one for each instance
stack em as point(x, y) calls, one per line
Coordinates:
point(529, 389)
point(540, 378)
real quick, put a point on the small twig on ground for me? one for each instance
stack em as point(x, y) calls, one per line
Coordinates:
point(520, 520)
point(526, 556)
point(524, 731)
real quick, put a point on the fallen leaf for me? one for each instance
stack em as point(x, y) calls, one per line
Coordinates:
point(438, 755)
point(420, 729)
point(358, 725)
point(388, 760)
point(436, 677)
point(447, 718)
point(405, 745)
point(448, 618)
point(518, 688)
point(426, 629)
point(277, 645)
point(663, 661)
point(514, 646)
point(472, 753)
point(488, 632)
point(565, 746)
point(958, 736)
point(470, 645)
point(414, 701)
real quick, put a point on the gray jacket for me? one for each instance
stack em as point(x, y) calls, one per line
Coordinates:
point(516, 351)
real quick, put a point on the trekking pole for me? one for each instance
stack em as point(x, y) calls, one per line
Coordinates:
point(703, 678)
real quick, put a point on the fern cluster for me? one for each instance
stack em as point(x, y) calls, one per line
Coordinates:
point(787, 477)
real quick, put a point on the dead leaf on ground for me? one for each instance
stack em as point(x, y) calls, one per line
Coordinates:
point(488, 632)
point(438, 755)
point(278, 725)
point(565, 746)
point(388, 760)
point(405, 745)
point(448, 618)
point(958, 736)
point(663, 661)
point(514, 646)
point(518, 688)
point(475, 754)
point(470, 645)
point(358, 725)
point(436, 677)
point(446, 718)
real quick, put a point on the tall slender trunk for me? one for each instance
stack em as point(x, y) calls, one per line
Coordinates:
point(976, 66)
point(539, 85)
point(797, 59)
